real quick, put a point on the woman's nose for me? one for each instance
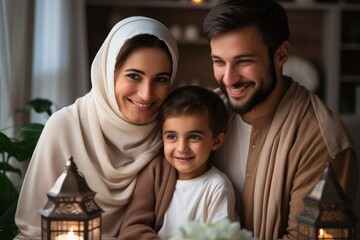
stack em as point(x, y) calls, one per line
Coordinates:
point(145, 91)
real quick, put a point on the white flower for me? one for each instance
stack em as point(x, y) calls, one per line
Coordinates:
point(220, 230)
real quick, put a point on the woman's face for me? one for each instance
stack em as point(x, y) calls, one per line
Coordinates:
point(142, 83)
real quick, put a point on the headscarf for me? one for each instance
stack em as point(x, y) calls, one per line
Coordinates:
point(107, 149)
point(102, 70)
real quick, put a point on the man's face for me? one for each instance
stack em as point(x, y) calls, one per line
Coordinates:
point(242, 68)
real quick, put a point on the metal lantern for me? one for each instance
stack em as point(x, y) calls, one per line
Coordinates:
point(71, 212)
point(327, 212)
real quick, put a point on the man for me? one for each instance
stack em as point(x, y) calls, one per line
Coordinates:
point(281, 135)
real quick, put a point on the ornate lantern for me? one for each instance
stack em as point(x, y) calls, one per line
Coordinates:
point(71, 212)
point(327, 212)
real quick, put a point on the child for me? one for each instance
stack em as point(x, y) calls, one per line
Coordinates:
point(183, 186)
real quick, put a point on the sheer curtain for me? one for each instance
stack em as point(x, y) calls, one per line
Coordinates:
point(43, 53)
point(16, 40)
point(60, 65)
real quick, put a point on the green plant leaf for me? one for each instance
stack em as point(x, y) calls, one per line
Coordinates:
point(30, 132)
point(5, 143)
point(8, 228)
point(39, 105)
point(6, 167)
point(6, 187)
point(5, 234)
point(28, 137)
point(22, 151)
point(20, 148)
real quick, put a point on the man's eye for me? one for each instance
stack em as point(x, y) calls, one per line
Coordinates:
point(217, 61)
point(245, 61)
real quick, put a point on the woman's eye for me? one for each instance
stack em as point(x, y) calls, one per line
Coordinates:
point(161, 79)
point(133, 76)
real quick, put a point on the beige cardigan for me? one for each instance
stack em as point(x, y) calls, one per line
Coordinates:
point(270, 184)
point(288, 152)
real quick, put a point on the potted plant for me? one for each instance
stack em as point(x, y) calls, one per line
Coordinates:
point(20, 149)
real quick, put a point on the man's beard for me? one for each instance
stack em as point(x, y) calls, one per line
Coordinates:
point(258, 97)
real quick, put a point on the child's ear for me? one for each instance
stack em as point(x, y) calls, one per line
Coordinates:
point(218, 141)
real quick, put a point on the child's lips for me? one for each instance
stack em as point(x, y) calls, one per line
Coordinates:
point(184, 159)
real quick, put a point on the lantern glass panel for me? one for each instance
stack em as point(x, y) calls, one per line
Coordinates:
point(94, 228)
point(44, 226)
point(306, 231)
point(94, 223)
point(54, 225)
point(333, 233)
point(94, 234)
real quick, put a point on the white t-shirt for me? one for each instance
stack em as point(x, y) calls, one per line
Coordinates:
point(207, 198)
point(235, 146)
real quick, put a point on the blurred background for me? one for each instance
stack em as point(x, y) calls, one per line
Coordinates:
point(47, 47)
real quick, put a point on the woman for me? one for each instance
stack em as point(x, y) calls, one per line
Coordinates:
point(112, 131)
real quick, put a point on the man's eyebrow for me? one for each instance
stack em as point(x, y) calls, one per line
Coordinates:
point(237, 56)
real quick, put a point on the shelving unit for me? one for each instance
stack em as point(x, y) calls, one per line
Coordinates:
point(349, 61)
point(194, 55)
point(327, 34)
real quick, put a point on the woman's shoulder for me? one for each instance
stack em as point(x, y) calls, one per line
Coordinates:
point(68, 115)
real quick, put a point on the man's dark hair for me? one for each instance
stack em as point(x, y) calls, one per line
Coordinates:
point(268, 16)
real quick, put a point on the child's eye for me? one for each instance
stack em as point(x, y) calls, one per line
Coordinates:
point(195, 137)
point(170, 137)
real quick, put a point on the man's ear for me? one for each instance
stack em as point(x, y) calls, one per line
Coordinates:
point(218, 141)
point(282, 54)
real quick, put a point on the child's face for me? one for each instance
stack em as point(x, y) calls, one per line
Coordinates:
point(188, 141)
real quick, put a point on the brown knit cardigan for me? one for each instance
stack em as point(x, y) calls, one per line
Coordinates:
point(145, 212)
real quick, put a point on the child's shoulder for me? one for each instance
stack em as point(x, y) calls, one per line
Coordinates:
point(219, 177)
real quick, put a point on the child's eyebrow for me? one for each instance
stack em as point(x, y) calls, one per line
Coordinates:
point(169, 131)
point(197, 131)
point(191, 132)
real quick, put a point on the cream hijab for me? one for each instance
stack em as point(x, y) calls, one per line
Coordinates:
point(108, 150)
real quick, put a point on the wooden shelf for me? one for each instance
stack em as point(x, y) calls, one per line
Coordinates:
point(152, 4)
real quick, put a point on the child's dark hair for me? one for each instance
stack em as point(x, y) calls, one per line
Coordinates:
point(194, 99)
